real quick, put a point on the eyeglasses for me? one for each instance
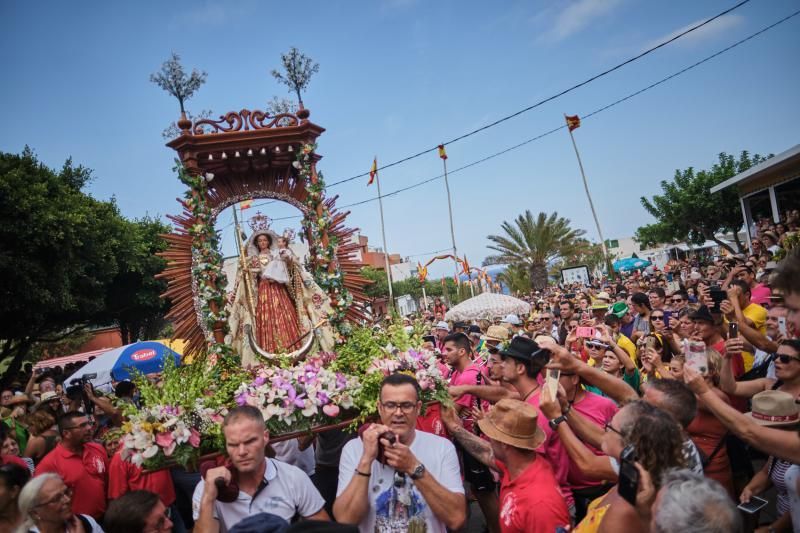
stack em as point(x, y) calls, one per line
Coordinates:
point(162, 522)
point(609, 427)
point(405, 407)
point(657, 317)
point(597, 345)
point(677, 300)
point(786, 359)
point(66, 494)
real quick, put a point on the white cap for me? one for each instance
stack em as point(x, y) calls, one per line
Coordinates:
point(512, 319)
point(443, 325)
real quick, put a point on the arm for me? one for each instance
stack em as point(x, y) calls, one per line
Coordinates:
point(474, 445)
point(749, 332)
point(728, 383)
point(490, 393)
point(757, 485)
point(777, 442)
point(598, 467)
point(34, 448)
point(622, 355)
point(29, 385)
point(352, 504)
point(584, 429)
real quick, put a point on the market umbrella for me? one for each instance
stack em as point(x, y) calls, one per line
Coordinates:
point(146, 357)
point(488, 305)
point(630, 263)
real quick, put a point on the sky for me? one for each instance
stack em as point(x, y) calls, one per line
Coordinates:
point(400, 76)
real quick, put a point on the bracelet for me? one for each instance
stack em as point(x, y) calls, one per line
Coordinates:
point(362, 473)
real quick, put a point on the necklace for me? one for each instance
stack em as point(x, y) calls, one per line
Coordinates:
point(530, 392)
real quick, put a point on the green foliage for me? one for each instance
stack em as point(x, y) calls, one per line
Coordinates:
point(534, 243)
point(517, 278)
point(297, 71)
point(688, 211)
point(173, 79)
point(378, 287)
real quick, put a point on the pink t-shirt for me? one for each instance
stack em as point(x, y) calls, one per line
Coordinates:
point(468, 377)
point(760, 294)
point(552, 449)
point(599, 411)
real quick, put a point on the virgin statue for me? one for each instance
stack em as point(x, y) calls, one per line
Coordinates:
point(276, 303)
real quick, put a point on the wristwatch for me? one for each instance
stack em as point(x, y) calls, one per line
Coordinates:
point(418, 472)
point(556, 421)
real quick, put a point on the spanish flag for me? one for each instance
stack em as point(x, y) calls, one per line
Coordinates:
point(573, 122)
point(247, 204)
point(373, 171)
point(442, 153)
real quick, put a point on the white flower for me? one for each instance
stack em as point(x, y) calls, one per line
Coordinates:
point(150, 452)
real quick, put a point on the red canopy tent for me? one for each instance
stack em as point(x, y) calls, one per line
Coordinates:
point(75, 358)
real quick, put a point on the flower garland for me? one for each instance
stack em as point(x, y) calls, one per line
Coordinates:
point(316, 223)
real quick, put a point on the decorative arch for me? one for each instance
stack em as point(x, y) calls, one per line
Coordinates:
point(250, 155)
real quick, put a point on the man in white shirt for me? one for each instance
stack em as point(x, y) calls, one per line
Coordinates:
point(416, 487)
point(265, 485)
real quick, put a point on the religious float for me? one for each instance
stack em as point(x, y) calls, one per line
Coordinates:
point(287, 335)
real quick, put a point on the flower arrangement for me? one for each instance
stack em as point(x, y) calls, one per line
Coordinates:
point(299, 397)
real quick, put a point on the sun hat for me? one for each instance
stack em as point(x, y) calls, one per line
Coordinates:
point(603, 296)
point(774, 408)
point(513, 422)
point(48, 396)
point(619, 309)
point(512, 319)
point(496, 333)
point(443, 325)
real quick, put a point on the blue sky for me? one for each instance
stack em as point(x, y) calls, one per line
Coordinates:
point(398, 76)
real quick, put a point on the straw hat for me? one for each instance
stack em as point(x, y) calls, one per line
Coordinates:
point(49, 395)
point(774, 408)
point(496, 333)
point(513, 422)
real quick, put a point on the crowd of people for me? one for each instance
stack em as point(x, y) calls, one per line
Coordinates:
point(665, 401)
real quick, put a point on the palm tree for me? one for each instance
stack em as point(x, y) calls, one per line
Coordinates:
point(532, 244)
point(516, 278)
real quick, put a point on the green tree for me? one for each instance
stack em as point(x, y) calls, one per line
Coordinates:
point(687, 211)
point(58, 254)
point(586, 253)
point(133, 298)
point(517, 278)
point(533, 244)
point(173, 79)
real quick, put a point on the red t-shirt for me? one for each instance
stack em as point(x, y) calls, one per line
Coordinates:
point(85, 474)
point(124, 476)
point(599, 411)
point(532, 502)
point(552, 449)
point(737, 367)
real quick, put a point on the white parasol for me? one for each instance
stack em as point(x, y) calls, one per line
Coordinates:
point(488, 305)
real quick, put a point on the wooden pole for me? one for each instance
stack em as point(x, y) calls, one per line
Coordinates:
point(450, 212)
point(385, 249)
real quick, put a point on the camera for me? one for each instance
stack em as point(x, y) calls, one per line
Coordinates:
point(75, 391)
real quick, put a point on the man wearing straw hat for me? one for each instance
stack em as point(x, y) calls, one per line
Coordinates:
point(530, 498)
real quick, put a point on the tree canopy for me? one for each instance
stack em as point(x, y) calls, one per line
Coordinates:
point(688, 211)
point(67, 259)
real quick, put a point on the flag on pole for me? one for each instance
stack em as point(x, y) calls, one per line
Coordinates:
point(247, 204)
point(422, 272)
point(573, 122)
point(465, 266)
point(373, 171)
point(455, 280)
point(442, 153)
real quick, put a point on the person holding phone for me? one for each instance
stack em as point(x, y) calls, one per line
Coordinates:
point(778, 410)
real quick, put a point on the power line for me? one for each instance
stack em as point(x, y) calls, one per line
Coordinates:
point(562, 126)
point(549, 98)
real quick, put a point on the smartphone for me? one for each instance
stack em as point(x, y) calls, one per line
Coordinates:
point(650, 342)
point(551, 381)
point(717, 295)
point(733, 330)
point(585, 332)
point(628, 483)
point(782, 325)
point(391, 437)
point(753, 506)
point(696, 356)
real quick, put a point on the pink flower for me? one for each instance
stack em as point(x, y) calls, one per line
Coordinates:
point(194, 438)
point(164, 440)
point(331, 410)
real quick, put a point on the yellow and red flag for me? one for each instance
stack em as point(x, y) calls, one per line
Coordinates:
point(573, 122)
point(422, 272)
point(247, 204)
point(465, 266)
point(373, 171)
point(442, 153)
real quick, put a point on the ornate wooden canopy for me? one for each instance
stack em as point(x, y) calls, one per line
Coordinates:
point(243, 155)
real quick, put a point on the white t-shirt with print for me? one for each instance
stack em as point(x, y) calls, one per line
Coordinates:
point(400, 509)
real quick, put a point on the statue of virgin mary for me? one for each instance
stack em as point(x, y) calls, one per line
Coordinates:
point(277, 298)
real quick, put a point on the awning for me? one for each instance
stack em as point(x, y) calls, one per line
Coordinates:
point(75, 358)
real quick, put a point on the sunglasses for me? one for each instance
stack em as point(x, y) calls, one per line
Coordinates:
point(786, 359)
point(597, 345)
point(657, 317)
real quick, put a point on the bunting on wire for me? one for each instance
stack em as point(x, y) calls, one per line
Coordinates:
point(465, 266)
point(442, 152)
point(373, 171)
point(422, 272)
point(573, 122)
point(247, 204)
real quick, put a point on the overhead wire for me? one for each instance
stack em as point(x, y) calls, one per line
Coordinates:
point(552, 97)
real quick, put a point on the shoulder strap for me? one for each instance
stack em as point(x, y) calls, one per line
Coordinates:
point(87, 526)
point(715, 451)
